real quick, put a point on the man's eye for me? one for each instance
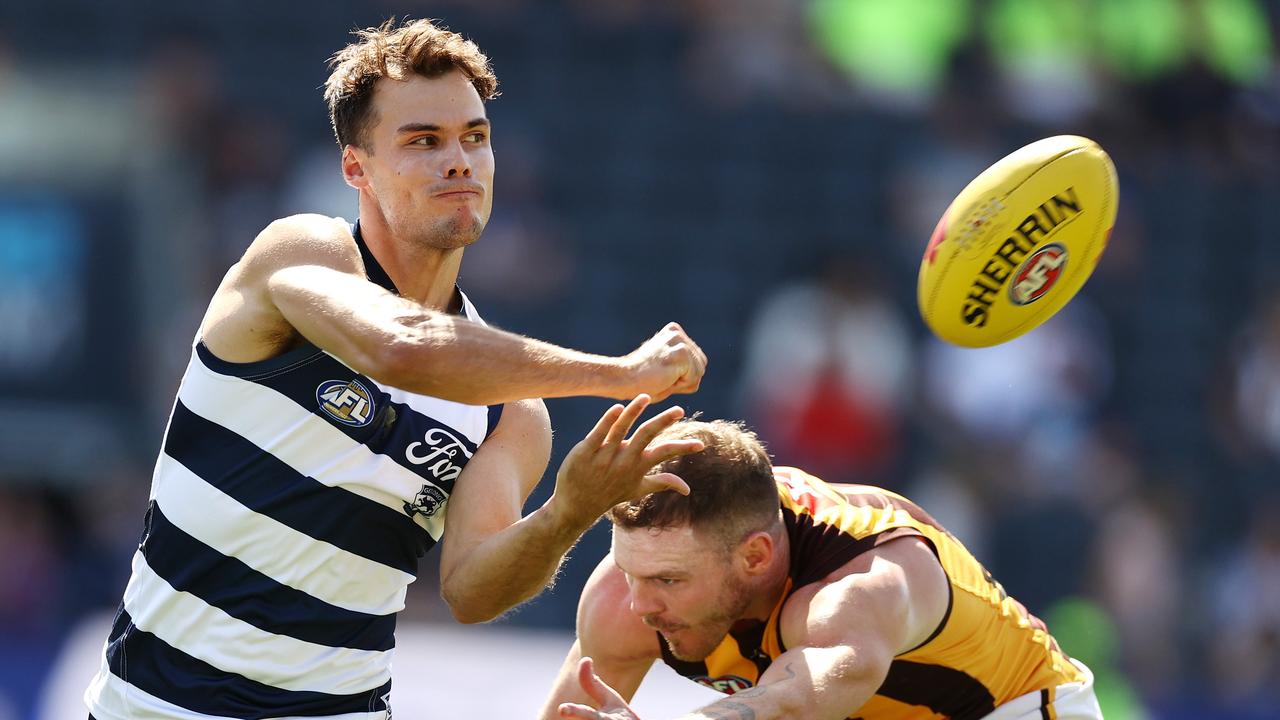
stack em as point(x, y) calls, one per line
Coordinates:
point(476, 137)
point(425, 140)
point(668, 581)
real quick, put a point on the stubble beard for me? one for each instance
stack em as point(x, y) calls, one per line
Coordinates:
point(732, 604)
point(448, 233)
point(451, 231)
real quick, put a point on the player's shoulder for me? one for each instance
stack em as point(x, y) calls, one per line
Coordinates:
point(304, 239)
point(524, 422)
point(887, 580)
point(524, 428)
point(525, 416)
point(606, 624)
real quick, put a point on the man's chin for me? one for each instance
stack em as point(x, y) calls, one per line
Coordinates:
point(685, 653)
point(453, 235)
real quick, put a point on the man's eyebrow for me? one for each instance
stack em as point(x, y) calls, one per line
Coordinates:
point(429, 127)
point(671, 573)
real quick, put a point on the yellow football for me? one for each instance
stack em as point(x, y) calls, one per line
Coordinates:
point(1018, 242)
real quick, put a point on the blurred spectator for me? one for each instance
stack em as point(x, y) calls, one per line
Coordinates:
point(1136, 560)
point(754, 51)
point(1026, 403)
point(1244, 649)
point(1255, 424)
point(827, 370)
point(1043, 49)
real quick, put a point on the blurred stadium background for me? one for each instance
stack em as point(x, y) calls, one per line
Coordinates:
point(767, 173)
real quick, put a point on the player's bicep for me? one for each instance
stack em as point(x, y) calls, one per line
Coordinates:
point(490, 493)
point(342, 313)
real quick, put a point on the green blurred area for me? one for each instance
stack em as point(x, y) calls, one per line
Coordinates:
point(908, 46)
point(1086, 632)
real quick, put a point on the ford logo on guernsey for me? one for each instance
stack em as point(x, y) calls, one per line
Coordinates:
point(347, 401)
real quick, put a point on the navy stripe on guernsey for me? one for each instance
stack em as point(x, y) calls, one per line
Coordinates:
point(157, 668)
point(264, 484)
point(394, 426)
point(246, 594)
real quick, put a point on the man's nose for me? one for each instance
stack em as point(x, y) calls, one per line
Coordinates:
point(456, 164)
point(644, 603)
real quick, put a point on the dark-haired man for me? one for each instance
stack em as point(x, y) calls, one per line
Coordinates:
point(343, 401)
point(802, 599)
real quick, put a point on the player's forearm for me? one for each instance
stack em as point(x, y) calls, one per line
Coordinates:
point(467, 362)
point(511, 566)
point(761, 703)
point(798, 693)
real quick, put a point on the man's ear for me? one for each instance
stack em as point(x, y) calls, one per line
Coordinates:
point(353, 159)
point(755, 554)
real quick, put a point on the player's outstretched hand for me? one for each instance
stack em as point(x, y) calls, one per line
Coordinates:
point(670, 362)
point(607, 467)
point(612, 706)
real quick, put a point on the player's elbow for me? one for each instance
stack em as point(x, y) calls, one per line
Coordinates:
point(420, 360)
point(400, 362)
point(468, 616)
point(467, 610)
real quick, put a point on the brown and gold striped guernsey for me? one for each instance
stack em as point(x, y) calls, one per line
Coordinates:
point(987, 651)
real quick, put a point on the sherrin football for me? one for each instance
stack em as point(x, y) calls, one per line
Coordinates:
point(1018, 242)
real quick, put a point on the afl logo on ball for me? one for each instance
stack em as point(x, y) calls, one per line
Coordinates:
point(1038, 274)
point(347, 401)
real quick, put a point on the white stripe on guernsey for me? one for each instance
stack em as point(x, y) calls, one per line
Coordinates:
point(274, 549)
point(110, 698)
point(270, 420)
point(232, 645)
point(454, 415)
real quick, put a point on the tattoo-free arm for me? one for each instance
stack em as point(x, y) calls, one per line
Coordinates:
point(303, 276)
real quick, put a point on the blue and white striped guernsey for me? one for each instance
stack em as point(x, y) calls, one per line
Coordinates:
point(289, 507)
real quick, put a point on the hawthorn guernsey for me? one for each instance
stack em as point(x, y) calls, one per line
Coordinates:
point(1018, 243)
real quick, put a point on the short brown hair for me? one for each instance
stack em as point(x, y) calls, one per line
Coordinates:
point(396, 51)
point(731, 488)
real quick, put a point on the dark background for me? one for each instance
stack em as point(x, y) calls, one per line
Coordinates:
point(767, 173)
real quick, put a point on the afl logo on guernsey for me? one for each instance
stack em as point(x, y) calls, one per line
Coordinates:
point(1038, 274)
point(727, 684)
point(347, 401)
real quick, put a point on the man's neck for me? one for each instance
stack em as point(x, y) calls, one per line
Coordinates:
point(428, 275)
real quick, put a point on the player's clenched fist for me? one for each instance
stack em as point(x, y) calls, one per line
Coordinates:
point(607, 467)
point(669, 362)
